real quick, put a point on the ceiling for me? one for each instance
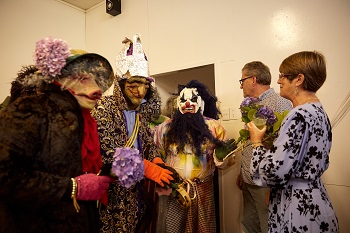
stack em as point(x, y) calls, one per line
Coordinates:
point(83, 4)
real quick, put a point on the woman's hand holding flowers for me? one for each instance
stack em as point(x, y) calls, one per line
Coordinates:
point(249, 109)
point(255, 134)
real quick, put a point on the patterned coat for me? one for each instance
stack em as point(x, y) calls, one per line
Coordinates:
point(40, 150)
point(293, 168)
point(126, 206)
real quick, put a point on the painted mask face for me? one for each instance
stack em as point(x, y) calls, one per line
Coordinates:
point(84, 88)
point(189, 101)
point(135, 91)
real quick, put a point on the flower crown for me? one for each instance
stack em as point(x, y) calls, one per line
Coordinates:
point(50, 56)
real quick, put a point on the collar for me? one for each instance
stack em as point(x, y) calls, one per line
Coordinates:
point(266, 94)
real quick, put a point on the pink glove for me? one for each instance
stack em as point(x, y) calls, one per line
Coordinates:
point(156, 173)
point(92, 187)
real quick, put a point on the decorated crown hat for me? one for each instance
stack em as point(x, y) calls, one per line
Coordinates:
point(131, 60)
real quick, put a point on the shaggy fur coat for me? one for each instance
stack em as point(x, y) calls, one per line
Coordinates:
point(40, 150)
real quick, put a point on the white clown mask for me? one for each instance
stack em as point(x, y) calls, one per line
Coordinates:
point(189, 101)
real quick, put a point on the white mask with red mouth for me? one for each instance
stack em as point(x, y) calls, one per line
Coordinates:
point(189, 101)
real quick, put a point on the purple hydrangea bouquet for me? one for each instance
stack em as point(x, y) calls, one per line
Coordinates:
point(249, 109)
point(128, 166)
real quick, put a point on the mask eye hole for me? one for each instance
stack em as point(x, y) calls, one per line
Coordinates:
point(81, 78)
point(182, 99)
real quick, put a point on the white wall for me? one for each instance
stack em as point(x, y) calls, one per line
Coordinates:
point(183, 34)
point(22, 23)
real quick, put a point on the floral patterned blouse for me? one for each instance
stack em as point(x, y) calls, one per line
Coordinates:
point(293, 167)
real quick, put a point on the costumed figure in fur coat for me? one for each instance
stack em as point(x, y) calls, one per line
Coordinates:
point(49, 146)
point(127, 144)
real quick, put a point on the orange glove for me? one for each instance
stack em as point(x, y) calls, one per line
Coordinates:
point(157, 160)
point(156, 173)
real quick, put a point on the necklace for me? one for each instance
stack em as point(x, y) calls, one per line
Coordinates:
point(308, 100)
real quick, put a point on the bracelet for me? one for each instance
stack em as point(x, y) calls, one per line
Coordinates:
point(74, 194)
point(256, 144)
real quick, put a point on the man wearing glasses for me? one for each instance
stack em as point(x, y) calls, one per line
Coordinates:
point(255, 82)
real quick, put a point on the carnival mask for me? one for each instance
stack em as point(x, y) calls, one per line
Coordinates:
point(135, 90)
point(84, 88)
point(189, 101)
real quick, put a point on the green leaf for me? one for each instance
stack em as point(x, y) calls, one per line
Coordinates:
point(277, 124)
point(251, 114)
point(245, 119)
point(280, 118)
point(245, 109)
point(239, 139)
point(244, 134)
point(285, 113)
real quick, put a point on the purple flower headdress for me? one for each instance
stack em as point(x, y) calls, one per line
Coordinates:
point(50, 56)
point(128, 166)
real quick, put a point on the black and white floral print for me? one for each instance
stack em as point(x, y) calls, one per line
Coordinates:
point(292, 168)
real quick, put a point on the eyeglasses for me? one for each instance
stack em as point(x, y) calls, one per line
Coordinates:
point(281, 75)
point(243, 79)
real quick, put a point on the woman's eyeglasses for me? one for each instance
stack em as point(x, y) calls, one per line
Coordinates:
point(281, 75)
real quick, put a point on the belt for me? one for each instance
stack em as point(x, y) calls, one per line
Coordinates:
point(198, 180)
point(184, 189)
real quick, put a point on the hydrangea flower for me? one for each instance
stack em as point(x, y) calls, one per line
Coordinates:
point(268, 113)
point(249, 101)
point(250, 107)
point(128, 166)
point(50, 56)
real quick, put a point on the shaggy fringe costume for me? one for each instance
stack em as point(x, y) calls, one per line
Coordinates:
point(203, 205)
point(187, 143)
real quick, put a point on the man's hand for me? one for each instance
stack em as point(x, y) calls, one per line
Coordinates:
point(223, 150)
